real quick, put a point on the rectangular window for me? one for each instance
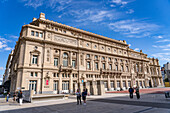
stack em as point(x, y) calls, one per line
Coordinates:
point(110, 66)
point(129, 83)
point(96, 65)
point(88, 65)
point(112, 84)
point(54, 74)
point(116, 67)
point(34, 59)
point(35, 74)
point(104, 66)
point(127, 69)
point(55, 85)
point(118, 84)
point(32, 33)
point(41, 35)
point(122, 68)
point(32, 74)
point(33, 85)
point(57, 74)
point(88, 56)
point(36, 34)
point(73, 63)
point(63, 75)
point(55, 61)
point(124, 84)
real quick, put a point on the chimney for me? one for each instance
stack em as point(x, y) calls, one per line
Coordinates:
point(42, 16)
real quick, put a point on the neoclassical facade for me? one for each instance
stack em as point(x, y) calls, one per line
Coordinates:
point(50, 57)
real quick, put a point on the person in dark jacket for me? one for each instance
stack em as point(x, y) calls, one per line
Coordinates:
point(84, 94)
point(20, 97)
point(78, 93)
point(137, 93)
point(131, 90)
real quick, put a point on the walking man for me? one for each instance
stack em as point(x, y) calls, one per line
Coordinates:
point(84, 94)
point(131, 90)
point(137, 93)
point(78, 93)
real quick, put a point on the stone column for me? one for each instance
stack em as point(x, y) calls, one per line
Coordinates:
point(158, 81)
point(121, 82)
point(162, 83)
point(100, 88)
point(92, 62)
point(94, 86)
point(70, 58)
point(71, 83)
point(127, 83)
point(60, 83)
point(152, 82)
point(115, 82)
point(88, 86)
point(108, 83)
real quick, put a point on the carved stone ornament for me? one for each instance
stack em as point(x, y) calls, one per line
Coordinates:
point(65, 40)
point(49, 35)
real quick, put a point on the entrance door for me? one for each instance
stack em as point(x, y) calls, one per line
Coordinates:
point(105, 86)
point(65, 87)
point(33, 86)
point(55, 87)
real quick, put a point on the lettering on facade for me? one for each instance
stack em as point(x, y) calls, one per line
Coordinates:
point(65, 40)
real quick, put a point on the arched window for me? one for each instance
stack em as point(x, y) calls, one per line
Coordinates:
point(65, 59)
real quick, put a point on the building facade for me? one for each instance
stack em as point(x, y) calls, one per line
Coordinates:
point(6, 76)
point(50, 57)
point(166, 71)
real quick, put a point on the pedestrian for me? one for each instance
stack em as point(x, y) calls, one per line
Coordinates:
point(20, 97)
point(137, 93)
point(78, 93)
point(14, 96)
point(131, 90)
point(7, 97)
point(84, 94)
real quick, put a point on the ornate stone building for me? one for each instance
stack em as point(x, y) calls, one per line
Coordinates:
point(50, 57)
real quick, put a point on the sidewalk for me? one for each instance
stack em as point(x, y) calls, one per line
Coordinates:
point(113, 102)
point(146, 90)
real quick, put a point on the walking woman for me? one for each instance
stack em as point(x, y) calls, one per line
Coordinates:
point(20, 97)
point(78, 93)
point(84, 94)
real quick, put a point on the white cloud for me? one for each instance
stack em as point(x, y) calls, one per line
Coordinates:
point(162, 46)
point(95, 15)
point(33, 3)
point(3, 44)
point(112, 5)
point(160, 36)
point(1, 68)
point(136, 49)
point(119, 2)
point(166, 49)
point(8, 48)
point(165, 40)
point(130, 11)
point(134, 28)
point(129, 45)
point(53, 4)
point(13, 36)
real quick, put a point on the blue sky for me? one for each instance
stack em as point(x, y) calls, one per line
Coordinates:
point(144, 24)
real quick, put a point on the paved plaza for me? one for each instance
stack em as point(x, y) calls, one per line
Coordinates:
point(109, 103)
